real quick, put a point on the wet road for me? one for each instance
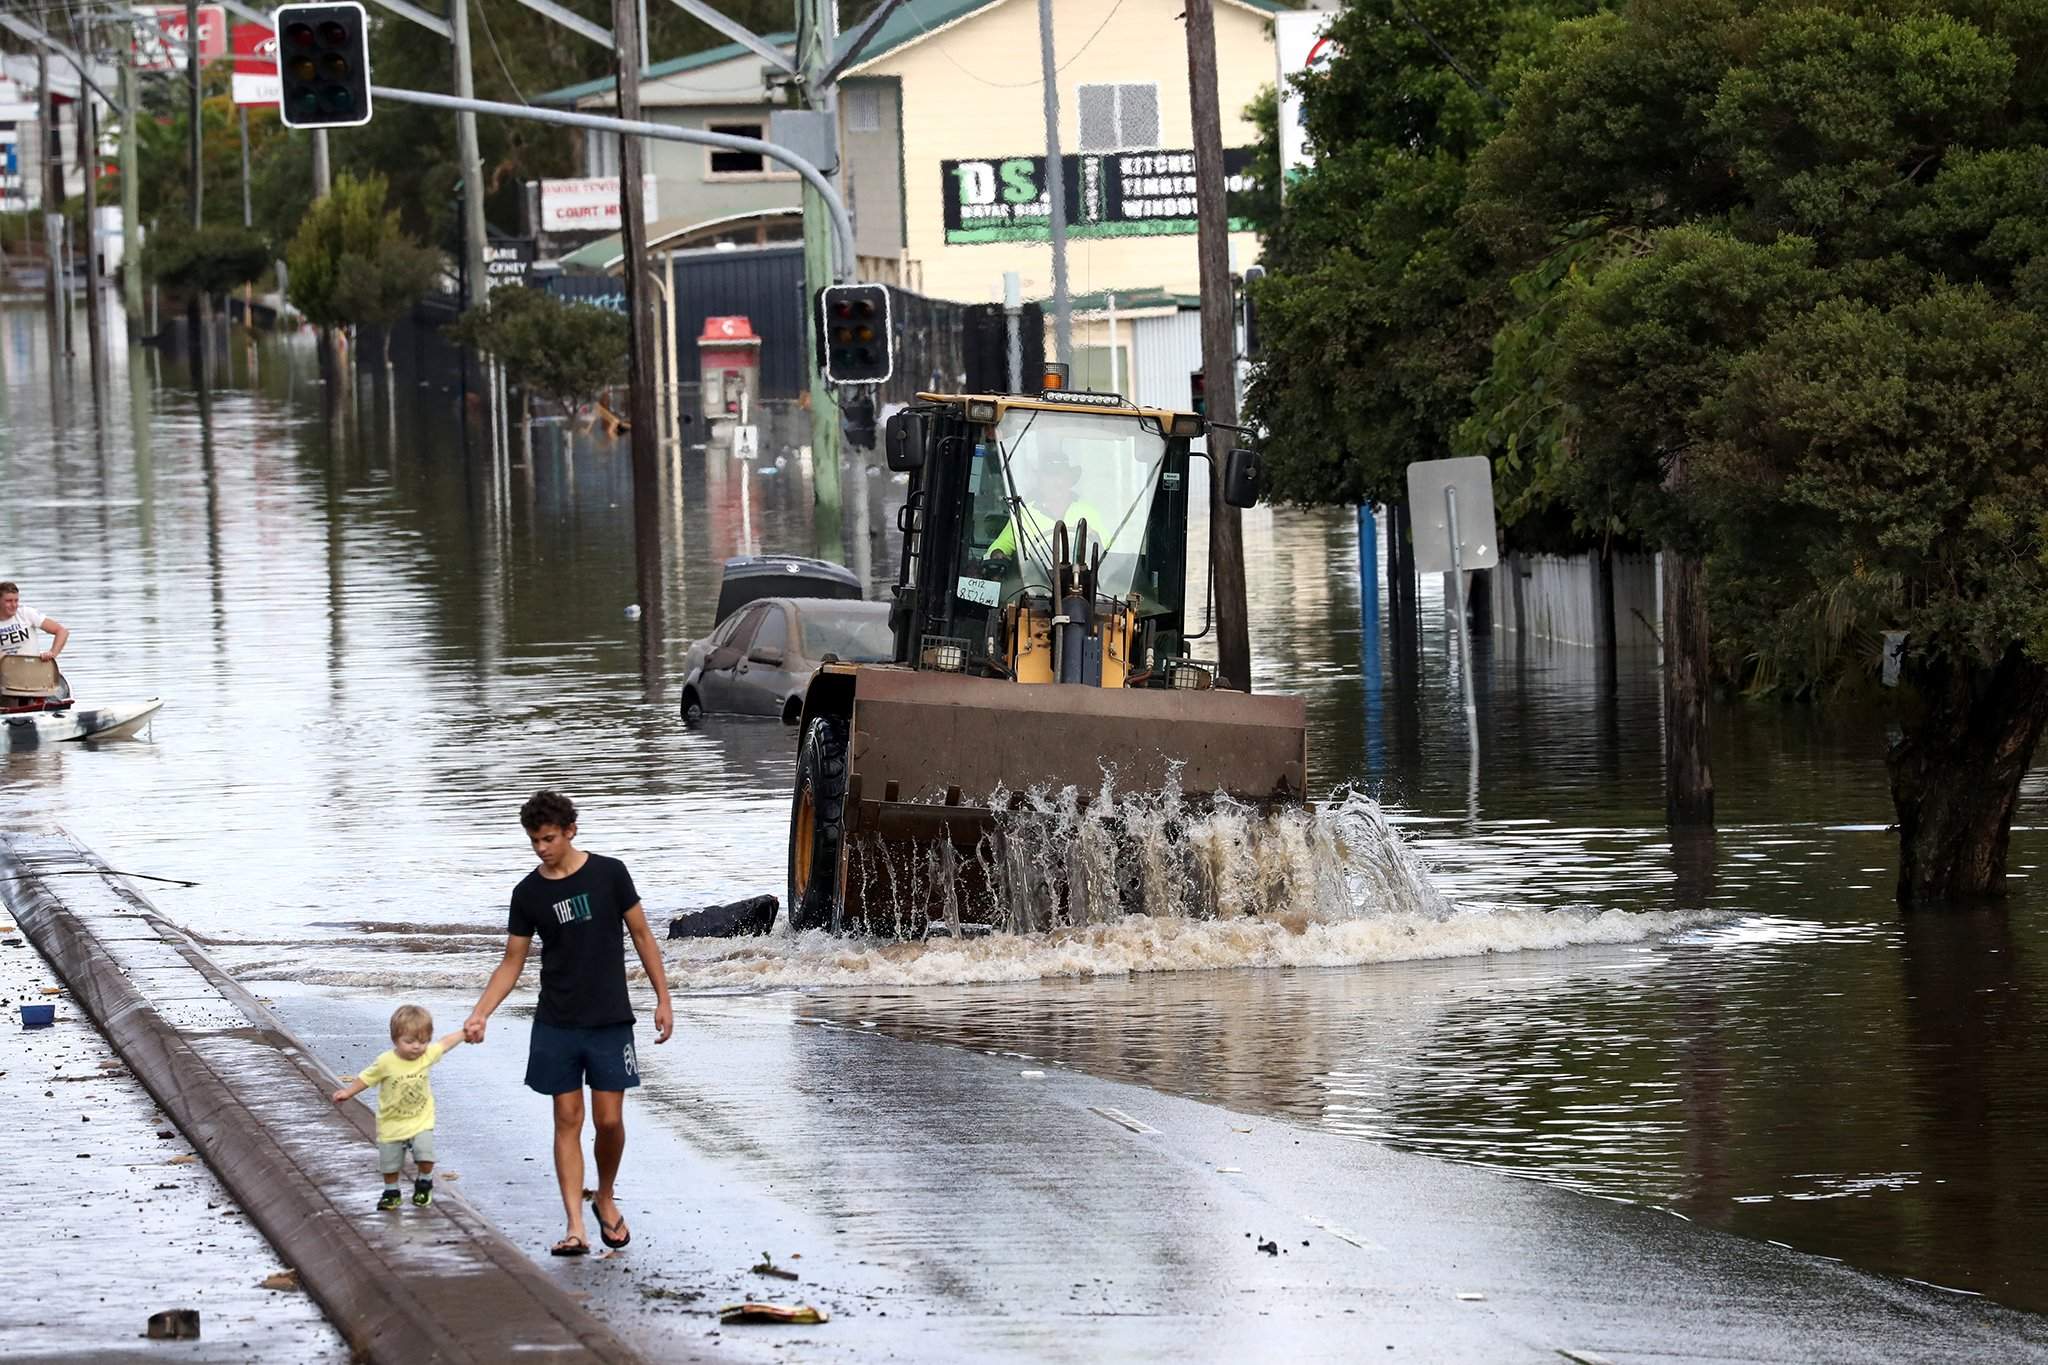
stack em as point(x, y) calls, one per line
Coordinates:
point(947, 1204)
point(372, 649)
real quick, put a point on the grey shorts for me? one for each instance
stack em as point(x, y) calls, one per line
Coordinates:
point(391, 1155)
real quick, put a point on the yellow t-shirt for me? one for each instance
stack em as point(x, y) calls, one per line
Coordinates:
point(405, 1099)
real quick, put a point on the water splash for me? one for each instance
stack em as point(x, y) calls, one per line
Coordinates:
point(1145, 883)
point(1050, 860)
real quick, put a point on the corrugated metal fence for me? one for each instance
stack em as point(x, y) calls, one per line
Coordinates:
point(1557, 597)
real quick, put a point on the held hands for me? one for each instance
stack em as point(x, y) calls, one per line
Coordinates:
point(473, 1029)
point(664, 1021)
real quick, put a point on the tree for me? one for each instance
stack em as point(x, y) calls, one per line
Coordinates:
point(209, 260)
point(351, 263)
point(1381, 303)
point(568, 352)
point(1802, 358)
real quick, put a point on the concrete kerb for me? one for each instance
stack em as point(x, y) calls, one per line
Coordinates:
point(439, 1284)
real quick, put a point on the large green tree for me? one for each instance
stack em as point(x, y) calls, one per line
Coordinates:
point(353, 264)
point(1381, 302)
point(1806, 357)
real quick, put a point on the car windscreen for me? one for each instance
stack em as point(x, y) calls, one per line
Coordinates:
point(855, 636)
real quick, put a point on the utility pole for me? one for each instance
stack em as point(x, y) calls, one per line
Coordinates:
point(817, 31)
point(1056, 176)
point(192, 69)
point(1219, 345)
point(89, 160)
point(641, 372)
point(471, 157)
point(131, 194)
point(52, 197)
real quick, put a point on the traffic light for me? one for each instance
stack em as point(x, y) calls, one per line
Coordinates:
point(323, 65)
point(1198, 388)
point(859, 346)
point(859, 416)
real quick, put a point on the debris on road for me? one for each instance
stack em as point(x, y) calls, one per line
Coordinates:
point(768, 1267)
point(799, 1314)
point(1470, 1297)
point(174, 1324)
point(282, 1280)
point(1270, 1248)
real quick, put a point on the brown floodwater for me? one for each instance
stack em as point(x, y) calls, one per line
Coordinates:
point(372, 644)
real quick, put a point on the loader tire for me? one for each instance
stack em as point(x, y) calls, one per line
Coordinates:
point(817, 826)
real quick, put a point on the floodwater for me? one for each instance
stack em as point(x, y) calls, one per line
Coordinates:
point(372, 646)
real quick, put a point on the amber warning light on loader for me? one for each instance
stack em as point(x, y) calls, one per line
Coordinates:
point(323, 65)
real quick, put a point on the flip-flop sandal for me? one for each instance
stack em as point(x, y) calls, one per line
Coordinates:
point(570, 1246)
point(604, 1233)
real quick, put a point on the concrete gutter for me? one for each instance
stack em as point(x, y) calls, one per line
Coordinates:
point(439, 1284)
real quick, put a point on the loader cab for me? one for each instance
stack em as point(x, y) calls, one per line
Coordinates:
point(1023, 511)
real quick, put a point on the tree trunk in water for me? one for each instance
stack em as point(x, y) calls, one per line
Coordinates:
point(1956, 774)
point(1688, 779)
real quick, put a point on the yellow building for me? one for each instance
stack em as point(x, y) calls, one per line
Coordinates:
point(950, 92)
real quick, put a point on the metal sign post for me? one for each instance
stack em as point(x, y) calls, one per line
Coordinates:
point(1458, 538)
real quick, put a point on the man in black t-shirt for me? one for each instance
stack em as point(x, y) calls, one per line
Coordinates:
point(579, 904)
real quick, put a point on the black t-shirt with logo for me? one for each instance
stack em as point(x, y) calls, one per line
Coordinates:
point(581, 920)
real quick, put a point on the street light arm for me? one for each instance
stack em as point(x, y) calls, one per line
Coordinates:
point(857, 44)
point(738, 32)
point(842, 225)
point(30, 33)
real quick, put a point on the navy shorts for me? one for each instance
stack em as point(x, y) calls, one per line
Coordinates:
point(559, 1060)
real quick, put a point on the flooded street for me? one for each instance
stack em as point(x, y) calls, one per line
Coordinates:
point(370, 650)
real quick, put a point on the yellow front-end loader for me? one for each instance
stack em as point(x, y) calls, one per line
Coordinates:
point(1042, 656)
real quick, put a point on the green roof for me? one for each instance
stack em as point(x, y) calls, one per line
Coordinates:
point(913, 19)
point(710, 56)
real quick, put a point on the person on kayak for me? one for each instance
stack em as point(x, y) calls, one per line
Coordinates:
point(19, 624)
point(18, 627)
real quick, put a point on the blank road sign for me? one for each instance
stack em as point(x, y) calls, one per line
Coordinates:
point(1429, 513)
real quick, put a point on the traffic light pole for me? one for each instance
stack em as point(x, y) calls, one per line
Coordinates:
point(817, 28)
point(470, 155)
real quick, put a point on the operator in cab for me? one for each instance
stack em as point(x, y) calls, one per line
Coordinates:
point(1052, 494)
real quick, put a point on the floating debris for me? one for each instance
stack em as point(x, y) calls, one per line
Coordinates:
point(801, 1314)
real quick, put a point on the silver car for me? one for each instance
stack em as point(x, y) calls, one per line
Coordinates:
point(760, 659)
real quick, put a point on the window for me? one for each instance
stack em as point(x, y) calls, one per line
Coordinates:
point(863, 109)
point(1114, 117)
point(774, 632)
point(859, 636)
point(725, 162)
point(600, 154)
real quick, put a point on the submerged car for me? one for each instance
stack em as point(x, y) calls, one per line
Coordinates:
point(760, 660)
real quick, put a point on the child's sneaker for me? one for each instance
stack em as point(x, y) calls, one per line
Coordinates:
point(422, 1192)
point(387, 1200)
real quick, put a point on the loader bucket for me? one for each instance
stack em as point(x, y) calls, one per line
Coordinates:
point(948, 775)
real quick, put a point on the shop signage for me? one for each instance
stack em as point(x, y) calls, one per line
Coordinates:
point(1109, 194)
point(160, 36)
point(255, 75)
point(508, 260)
point(588, 205)
point(1301, 41)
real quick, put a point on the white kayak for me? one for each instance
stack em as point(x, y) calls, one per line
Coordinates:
point(33, 729)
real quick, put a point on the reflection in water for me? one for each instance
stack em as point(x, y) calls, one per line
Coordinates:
point(371, 649)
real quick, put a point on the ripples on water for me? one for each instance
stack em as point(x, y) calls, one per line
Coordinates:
point(370, 654)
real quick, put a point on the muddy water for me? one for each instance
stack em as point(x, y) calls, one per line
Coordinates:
point(371, 648)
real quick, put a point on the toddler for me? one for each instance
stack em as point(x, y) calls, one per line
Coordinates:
point(405, 1101)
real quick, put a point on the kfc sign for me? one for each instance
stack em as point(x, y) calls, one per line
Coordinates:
point(255, 64)
point(160, 40)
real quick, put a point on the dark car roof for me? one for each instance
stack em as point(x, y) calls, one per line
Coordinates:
point(749, 578)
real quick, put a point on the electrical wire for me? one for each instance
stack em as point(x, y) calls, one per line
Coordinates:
point(1474, 82)
point(1022, 85)
point(483, 12)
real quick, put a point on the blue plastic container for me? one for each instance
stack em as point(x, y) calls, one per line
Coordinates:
point(38, 1016)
